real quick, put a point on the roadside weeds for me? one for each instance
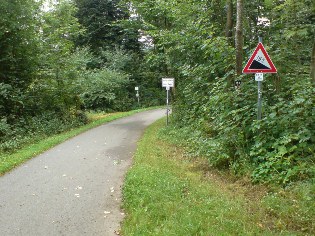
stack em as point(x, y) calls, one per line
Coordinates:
point(166, 192)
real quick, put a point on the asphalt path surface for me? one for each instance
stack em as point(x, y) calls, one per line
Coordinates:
point(74, 188)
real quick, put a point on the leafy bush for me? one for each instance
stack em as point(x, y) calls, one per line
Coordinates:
point(105, 90)
point(284, 142)
point(31, 129)
point(4, 127)
point(278, 149)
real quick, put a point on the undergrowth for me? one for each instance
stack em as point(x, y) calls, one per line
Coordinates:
point(167, 192)
point(290, 206)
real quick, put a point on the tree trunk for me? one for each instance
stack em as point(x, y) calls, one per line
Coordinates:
point(229, 20)
point(239, 37)
point(229, 35)
point(313, 64)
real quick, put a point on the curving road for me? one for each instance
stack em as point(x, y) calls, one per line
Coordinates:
point(74, 188)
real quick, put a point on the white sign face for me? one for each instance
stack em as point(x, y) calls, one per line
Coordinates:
point(136, 88)
point(259, 77)
point(260, 58)
point(168, 82)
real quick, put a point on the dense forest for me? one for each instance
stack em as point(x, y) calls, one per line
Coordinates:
point(60, 58)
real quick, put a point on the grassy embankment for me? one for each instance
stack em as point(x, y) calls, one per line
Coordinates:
point(10, 160)
point(168, 193)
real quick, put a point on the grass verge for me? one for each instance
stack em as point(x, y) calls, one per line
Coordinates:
point(10, 160)
point(166, 193)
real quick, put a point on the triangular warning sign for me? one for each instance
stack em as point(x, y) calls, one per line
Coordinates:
point(260, 62)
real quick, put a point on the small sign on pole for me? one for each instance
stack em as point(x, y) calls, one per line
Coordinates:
point(167, 83)
point(137, 95)
point(259, 77)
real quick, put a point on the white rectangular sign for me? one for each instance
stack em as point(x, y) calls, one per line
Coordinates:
point(136, 88)
point(168, 82)
point(259, 76)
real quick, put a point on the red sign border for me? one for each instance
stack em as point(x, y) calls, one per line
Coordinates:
point(273, 69)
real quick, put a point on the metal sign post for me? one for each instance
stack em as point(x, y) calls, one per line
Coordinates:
point(259, 78)
point(168, 83)
point(137, 95)
point(259, 103)
point(259, 63)
point(167, 107)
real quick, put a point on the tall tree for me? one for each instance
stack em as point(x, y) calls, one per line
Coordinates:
point(102, 20)
point(239, 37)
point(229, 19)
point(19, 51)
point(60, 28)
point(313, 64)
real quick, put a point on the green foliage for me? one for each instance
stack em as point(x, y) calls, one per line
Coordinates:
point(112, 35)
point(61, 65)
point(221, 124)
point(30, 129)
point(117, 59)
point(44, 71)
point(45, 80)
point(105, 90)
point(105, 28)
point(215, 119)
point(279, 149)
point(19, 51)
point(284, 141)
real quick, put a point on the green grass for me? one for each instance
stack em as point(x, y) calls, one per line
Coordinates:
point(293, 207)
point(8, 161)
point(166, 193)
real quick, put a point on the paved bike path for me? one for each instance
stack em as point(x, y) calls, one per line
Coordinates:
point(74, 188)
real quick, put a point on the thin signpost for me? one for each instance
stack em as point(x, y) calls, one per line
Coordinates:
point(167, 104)
point(259, 64)
point(259, 77)
point(167, 83)
point(137, 95)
